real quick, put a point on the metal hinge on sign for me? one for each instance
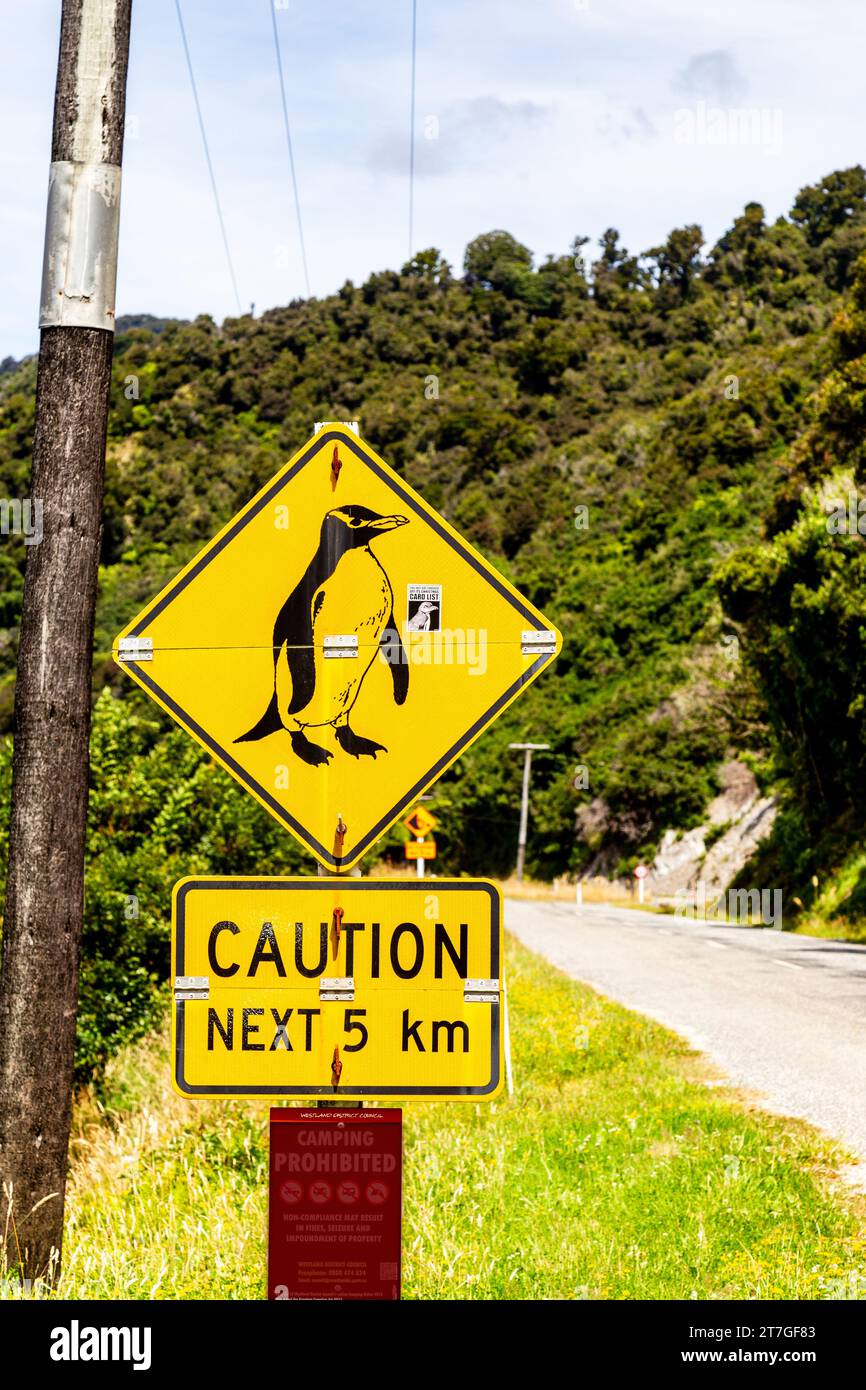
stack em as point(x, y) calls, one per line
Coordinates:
point(337, 987)
point(191, 987)
point(341, 646)
point(481, 991)
point(538, 642)
point(135, 649)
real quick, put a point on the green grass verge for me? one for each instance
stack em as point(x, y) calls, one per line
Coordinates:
point(613, 1172)
point(835, 906)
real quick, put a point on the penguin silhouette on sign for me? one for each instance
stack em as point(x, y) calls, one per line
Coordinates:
point(344, 576)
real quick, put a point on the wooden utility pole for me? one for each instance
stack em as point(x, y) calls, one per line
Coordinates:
point(45, 895)
point(527, 749)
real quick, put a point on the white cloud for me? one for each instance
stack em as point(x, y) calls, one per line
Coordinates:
point(712, 76)
point(463, 136)
point(553, 120)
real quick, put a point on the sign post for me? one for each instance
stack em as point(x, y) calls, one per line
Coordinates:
point(336, 648)
point(640, 874)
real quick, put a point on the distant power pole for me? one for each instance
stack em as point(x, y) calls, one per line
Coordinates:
point(45, 895)
point(527, 749)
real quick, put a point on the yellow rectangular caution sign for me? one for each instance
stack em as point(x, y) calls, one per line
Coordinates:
point(337, 988)
point(420, 849)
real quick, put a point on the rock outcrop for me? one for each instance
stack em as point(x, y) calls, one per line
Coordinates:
point(738, 819)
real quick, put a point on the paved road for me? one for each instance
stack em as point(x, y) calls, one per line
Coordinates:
point(784, 1016)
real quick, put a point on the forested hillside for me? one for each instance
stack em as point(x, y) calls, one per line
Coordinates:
point(645, 444)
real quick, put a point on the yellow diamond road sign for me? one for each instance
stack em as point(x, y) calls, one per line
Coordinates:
point(337, 987)
point(337, 646)
point(420, 821)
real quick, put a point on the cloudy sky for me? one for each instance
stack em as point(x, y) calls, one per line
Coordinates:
point(550, 119)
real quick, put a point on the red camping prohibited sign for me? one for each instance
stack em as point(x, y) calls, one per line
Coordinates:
point(335, 1204)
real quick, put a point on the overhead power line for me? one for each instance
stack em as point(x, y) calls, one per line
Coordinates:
point(412, 133)
point(213, 182)
point(279, 58)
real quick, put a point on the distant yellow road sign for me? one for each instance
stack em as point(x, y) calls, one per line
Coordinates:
point(337, 987)
point(420, 849)
point(420, 821)
point(337, 646)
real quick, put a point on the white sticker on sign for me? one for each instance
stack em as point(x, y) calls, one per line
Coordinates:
point(424, 608)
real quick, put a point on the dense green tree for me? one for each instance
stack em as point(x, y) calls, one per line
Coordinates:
point(496, 260)
point(800, 596)
point(677, 264)
point(836, 201)
point(612, 437)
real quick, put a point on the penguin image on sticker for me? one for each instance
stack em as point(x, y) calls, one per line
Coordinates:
point(424, 608)
point(343, 577)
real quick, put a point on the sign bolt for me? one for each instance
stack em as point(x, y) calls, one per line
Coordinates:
point(336, 465)
point(335, 931)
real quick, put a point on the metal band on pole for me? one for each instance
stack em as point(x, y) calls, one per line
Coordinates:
point(79, 269)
